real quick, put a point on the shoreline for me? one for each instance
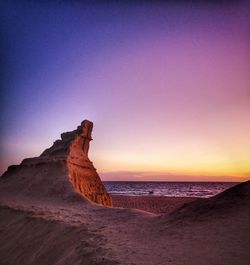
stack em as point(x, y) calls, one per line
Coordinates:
point(152, 204)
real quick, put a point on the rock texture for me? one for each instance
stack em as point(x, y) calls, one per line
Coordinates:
point(82, 173)
point(50, 173)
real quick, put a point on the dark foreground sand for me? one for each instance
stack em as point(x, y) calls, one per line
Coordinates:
point(212, 231)
point(153, 204)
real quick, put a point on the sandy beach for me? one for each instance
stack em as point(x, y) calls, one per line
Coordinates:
point(153, 204)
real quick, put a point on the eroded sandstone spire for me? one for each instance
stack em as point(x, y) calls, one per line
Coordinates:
point(57, 169)
point(81, 170)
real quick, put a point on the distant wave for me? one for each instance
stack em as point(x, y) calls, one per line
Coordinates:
point(168, 189)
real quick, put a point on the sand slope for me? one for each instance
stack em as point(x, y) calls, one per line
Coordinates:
point(91, 234)
point(29, 240)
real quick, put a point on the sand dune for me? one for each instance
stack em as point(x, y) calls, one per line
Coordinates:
point(47, 217)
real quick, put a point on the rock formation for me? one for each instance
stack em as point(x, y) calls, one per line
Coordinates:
point(49, 174)
point(81, 171)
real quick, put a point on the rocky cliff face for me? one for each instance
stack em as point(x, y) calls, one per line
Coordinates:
point(82, 173)
point(50, 174)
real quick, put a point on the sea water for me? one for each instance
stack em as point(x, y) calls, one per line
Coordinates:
point(168, 189)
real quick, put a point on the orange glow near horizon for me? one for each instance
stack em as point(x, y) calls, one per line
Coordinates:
point(182, 155)
point(180, 164)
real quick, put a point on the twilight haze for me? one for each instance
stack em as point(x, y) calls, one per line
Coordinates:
point(166, 85)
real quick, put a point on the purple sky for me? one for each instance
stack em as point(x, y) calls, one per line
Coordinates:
point(166, 85)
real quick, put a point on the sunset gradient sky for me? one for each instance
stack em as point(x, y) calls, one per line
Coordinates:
point(167, 85)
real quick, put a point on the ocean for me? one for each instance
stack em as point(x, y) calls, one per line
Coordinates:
point(169, 189)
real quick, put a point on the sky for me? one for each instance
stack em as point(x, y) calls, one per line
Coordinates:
point(166, 84)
